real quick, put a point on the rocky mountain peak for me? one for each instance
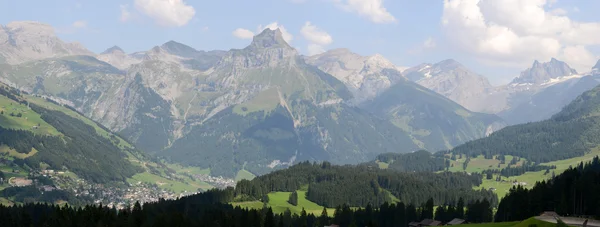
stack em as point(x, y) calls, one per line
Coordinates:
point(117, 58)
point(449, 64)
point(22, 41)
point(179, 49)
point(30, 28)
point(268, 49)
point(113, 49)
point(453, 80)
point(542, 72)
point(268, 39)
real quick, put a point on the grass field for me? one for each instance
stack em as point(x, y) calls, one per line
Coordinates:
point(176, 186)
point(13, 153)
point(244, 174)
point(27, 121)
point(278, 202)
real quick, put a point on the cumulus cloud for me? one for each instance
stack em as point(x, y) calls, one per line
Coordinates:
point(313, 34)
point(371, 9)
point(429, 43)
point(243, 33)
point(515, 32)
point(317, 38)
point(168, 13)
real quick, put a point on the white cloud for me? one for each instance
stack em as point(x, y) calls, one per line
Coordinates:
point(516, 32)
point(371, 9)
point(273, 26)
point(315, 35)
point(243, 33)
point(79, 24)
point(168, 13)
point(429, 43)
point(125, 14)
point(317, 38)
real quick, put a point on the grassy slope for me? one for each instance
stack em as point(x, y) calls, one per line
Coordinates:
point(25, 122)
point(244, 174)
point(479, 164)
point(278, 202)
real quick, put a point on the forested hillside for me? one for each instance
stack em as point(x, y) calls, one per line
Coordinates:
point(331, 185)
point(76, 146)
point(419, 161)
point(573, 193)
point(570, 133)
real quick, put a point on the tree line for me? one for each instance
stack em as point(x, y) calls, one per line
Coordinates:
point(331, 185)
point(211, 208)
point(419, 161)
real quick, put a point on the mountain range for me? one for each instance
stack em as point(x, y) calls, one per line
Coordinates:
point(266, 106)
point(258, 108)
point(536, 94)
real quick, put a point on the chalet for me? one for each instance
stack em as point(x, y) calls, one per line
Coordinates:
point(456, 221)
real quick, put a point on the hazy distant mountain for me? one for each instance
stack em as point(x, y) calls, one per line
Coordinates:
point(541, 73)
point(454, 81)
point(542, 100)
point(27, 40)
point(572, 132)
point(366, 76)
point(433, 121)
point(118, 58)
point(539, 92)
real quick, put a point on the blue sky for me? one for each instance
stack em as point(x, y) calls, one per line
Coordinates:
point(496, 38)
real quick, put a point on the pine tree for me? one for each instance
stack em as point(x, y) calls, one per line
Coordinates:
point(293, 198)
point(324, 218)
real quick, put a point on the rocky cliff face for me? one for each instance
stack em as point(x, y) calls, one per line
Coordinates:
point(366, 76)
point(541, 73)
